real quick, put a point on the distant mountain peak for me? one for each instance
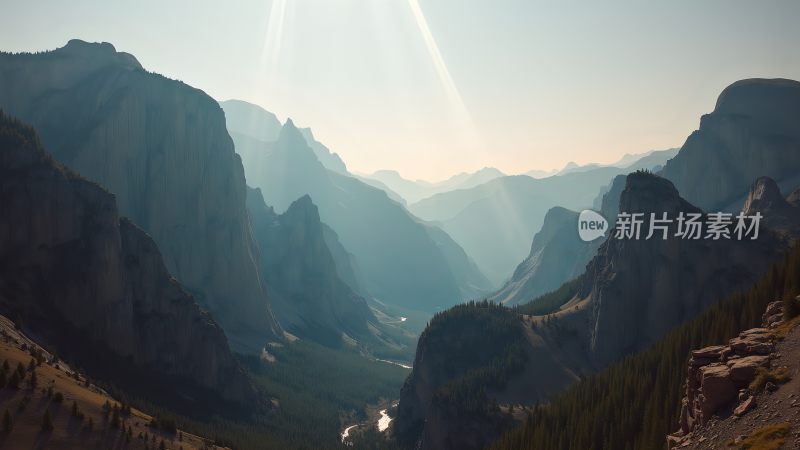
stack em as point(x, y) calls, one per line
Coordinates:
point(99, 50)
point(290, 134)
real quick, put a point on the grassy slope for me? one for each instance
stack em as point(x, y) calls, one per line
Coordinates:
point(68, 432)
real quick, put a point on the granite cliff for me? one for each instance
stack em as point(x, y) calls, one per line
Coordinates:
point(161, 147)
point(752, 132)
point(72, 270)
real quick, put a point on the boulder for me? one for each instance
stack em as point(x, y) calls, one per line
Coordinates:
point(752, 342)
point(743, 370)
point(748, 404)
point(718, 389)
point(713, 352)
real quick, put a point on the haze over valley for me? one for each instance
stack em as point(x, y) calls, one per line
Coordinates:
point(385, 225)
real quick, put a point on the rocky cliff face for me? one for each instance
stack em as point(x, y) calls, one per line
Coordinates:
point(69, 264)
point(162, 148)
point(752, 132)
point(464, 356)
point(648, 286)
point(778, 213)
point(723, 399)
point(557, 255)
point(632, 293)
point(309, 297)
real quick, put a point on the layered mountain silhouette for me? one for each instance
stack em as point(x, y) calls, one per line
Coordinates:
point(402, 261)
point(653, 160)
point(252, 126)
point(161, 147)
point(495, 221)
point(752, 132)
point(90, 283)
point(308, 296)
point(414, 191)
point(557, 255)
point(632, 293)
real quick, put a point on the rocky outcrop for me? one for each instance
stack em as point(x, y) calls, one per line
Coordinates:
point(161, 147)
point(72, 271)
point(778, 213)
point(465, 355)
point(752, 132)
point(718, 377)
point(647, 286)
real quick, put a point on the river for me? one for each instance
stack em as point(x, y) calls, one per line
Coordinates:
point(382, 423)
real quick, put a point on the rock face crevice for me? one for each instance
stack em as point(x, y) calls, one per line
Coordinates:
point(161, 147)
point(65, 255)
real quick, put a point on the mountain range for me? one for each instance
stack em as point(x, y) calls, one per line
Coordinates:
point(632, 292)
point(402, 260)
point(412, 191)
point(495, 221)
point(162, 148)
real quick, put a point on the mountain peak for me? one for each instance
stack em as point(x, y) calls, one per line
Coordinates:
point(291, 134)
point(764, 195)
point(302, 210)
point(646, 192)
point(99, 51)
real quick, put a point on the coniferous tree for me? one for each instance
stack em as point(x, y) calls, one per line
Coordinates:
point(8, 422)
point(641, 395)
point(13, 380)
point(33, 381)
point(47, 421)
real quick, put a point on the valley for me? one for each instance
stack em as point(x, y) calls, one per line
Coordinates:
point(399, 225)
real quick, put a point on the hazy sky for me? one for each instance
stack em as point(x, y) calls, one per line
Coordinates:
point(434, 87)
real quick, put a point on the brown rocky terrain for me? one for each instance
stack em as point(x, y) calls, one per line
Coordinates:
point(84, 281)
point(89, 424)
point(744, 394)
point(162, 149)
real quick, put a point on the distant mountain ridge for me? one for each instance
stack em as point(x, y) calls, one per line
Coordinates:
point(414, 191)
point(495, 221)
point(251, 122)
point(401, 260)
